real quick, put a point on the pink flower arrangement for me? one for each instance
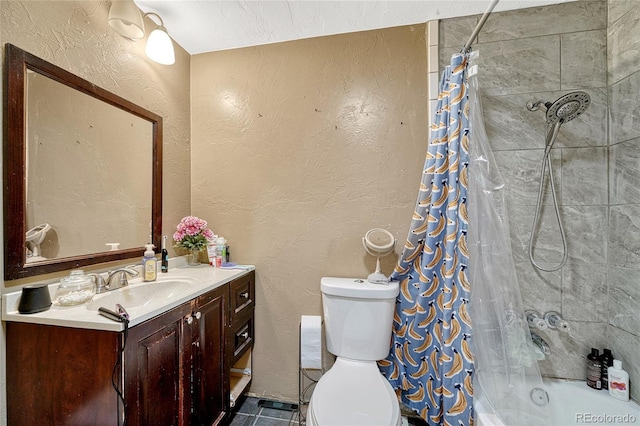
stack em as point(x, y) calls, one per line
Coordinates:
point(192, 233)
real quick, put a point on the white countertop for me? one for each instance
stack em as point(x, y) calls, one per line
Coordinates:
point(199, 280)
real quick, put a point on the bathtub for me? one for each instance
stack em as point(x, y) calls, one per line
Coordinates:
point(572, 403)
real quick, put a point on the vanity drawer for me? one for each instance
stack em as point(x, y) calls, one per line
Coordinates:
point(242, 300)
point(242, 339)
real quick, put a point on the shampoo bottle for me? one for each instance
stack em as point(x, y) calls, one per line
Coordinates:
point(221, 251)
point(211, 251)
point(149, 263)
point(618, 381)
point(606, 359)
point(594, 370)
point(165, 255)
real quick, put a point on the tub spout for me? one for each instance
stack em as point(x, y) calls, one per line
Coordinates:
point(542, 348)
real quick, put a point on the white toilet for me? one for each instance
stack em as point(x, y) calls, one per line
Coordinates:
point(358, 320)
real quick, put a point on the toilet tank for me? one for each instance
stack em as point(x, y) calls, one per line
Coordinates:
point(358, 317)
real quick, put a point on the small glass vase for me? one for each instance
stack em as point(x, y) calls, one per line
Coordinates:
point(192, 257)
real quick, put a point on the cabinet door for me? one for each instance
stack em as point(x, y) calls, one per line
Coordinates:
point(157, 368)
point(211, 385)
point(60, 375)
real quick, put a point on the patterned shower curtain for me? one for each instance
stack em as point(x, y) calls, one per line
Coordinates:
point(431, 362)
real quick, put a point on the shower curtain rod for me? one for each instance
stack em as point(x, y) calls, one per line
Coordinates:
point(480, 25)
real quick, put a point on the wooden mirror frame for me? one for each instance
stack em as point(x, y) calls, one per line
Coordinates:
point(17, 62)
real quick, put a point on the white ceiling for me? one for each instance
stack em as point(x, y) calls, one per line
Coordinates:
point(209, 25)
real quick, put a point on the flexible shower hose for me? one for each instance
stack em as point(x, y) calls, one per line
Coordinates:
point(546, 161)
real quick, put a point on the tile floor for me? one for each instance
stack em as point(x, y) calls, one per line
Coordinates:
point(261, 412)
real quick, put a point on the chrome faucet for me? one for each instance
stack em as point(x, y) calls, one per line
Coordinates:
point(115, 279)
point(540, 343)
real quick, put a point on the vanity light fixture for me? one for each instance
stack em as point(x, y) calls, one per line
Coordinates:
point(125, 18)
point(159, 45)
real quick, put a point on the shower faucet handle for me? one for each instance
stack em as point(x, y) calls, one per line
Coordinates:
point(555, 322)
point(535, 320)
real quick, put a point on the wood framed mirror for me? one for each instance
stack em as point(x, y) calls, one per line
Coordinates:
point(82, 171)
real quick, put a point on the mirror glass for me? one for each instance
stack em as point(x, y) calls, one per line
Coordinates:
point(70, 139)
point(83, 168)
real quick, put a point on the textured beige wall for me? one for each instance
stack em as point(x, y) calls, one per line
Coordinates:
point(298, 149)
point(75, 36)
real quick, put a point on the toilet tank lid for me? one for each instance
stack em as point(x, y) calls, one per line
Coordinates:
point(358, 287)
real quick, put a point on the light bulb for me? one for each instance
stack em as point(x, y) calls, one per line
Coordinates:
point(160, 47)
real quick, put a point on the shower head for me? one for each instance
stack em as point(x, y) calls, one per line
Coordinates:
point(564, 109)
point(568, 107)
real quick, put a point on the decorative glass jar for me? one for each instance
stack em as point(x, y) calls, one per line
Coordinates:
point(75, 289)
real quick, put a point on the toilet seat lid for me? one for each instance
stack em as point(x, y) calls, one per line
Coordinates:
point(355, 397)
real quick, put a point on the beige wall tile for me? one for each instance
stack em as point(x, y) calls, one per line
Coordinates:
point(626, 347)
point(545, 20)
point(624, 109)
point(455, 32)
point(583, 59)
point(623, 45)
point(624, 173)
point(506, 72)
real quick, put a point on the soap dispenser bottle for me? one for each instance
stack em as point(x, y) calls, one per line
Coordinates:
point(618, 381)
point(149, 263)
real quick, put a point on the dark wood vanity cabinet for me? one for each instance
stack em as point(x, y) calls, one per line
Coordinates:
point(180, 367)
point(174, 365)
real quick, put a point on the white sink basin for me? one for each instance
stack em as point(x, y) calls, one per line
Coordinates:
point(134, 296)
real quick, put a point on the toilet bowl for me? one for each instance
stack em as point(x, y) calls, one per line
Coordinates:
point(358, 320)
point(353, 393)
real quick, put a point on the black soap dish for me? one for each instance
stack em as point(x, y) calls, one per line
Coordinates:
point(34, 299)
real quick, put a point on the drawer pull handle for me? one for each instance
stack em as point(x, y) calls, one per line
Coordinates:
point(245, 335)
point(244, 295)
point(198, 315)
